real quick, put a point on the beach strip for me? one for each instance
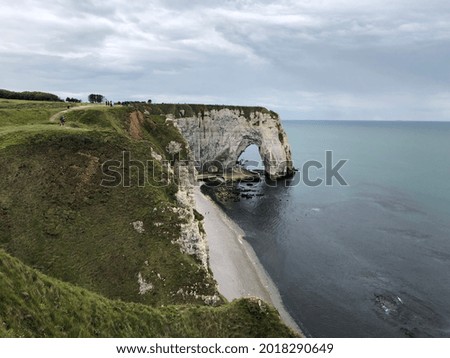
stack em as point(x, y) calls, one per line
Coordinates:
point(234, 264)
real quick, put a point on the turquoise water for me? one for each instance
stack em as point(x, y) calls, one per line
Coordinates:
point(370, 259)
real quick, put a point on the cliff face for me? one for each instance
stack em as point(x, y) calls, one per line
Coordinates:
point(112, 239)
point(220, 136)
point(192, 240)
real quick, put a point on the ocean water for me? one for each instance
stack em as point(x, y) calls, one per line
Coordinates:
point(370, 259)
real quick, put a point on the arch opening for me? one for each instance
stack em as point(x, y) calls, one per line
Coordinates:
point(250, 159)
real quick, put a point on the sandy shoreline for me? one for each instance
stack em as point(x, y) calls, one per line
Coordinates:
point(233, 262)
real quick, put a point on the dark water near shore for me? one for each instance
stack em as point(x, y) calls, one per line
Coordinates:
point(371, 259)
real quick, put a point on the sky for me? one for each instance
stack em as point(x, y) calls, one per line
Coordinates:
point(305, 59)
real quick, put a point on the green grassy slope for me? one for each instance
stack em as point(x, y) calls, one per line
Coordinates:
point(17, 112)
point(57, 219)
point(22, 119)
point(35, 305)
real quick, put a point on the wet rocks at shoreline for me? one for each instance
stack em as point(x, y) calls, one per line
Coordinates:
point(233, 191)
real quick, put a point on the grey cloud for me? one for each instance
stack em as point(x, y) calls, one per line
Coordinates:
point(306, 59)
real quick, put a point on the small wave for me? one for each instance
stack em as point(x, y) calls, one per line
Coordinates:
point(414, 318)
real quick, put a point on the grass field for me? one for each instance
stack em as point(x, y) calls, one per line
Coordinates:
point(75, 240)
point(35, 305)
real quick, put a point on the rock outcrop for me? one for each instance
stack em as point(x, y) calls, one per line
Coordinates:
point(217, 137)
point(192, 240)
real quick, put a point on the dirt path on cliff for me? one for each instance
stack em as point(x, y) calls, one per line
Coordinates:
point(56, 116)
point(136, 120)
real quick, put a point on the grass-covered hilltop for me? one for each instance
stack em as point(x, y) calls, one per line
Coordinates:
point(81, 259)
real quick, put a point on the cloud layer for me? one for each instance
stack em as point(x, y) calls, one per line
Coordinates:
point(340, 59)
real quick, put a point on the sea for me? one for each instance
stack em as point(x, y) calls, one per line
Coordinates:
point(366, 256)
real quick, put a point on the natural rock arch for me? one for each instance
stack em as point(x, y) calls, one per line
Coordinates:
point(221, 135)
point(248, 156)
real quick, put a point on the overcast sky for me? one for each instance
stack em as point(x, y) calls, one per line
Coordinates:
point(305, 59)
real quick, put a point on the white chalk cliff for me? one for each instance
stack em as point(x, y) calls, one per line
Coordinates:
point(220, 136)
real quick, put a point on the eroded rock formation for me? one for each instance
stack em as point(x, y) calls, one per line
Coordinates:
point(219, 136)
